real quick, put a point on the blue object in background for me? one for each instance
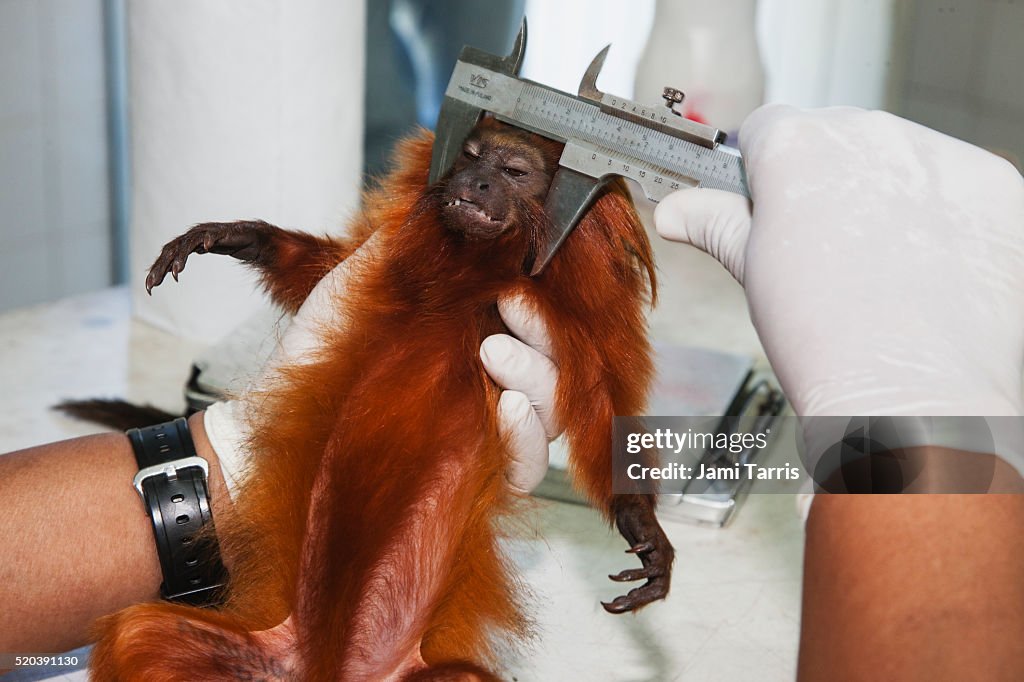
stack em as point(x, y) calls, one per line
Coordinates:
point(411, 49)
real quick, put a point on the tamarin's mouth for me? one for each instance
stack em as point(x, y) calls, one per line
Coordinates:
point(471, 206)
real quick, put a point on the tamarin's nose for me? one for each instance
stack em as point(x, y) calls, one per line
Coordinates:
point(482, 186)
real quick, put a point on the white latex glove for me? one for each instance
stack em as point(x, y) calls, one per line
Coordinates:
point(522, 366)
point(883, 263)
point(511, 363)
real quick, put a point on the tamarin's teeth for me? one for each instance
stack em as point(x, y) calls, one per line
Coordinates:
point(458, 202)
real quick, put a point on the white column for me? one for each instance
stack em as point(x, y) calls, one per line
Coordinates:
point(238, 109)
point(826, 52)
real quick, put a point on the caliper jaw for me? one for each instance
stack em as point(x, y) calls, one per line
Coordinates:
point(457, 119)
point(569, 197)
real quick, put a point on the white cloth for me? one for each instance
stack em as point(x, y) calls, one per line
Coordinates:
point(225, 429)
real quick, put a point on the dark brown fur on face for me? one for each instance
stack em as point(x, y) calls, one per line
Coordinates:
point(364, 543)
point(501, 171)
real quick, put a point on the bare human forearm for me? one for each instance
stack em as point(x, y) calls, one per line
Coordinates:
point(915, 587)
point(76, 542)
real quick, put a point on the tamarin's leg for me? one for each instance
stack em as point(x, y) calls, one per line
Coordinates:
point(290, 263)
point(371, 611)
point(163, 642)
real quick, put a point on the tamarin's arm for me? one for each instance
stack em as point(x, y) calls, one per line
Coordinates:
point(289, 263)
point(593, 297)
point(587, 401)
point(524, 367)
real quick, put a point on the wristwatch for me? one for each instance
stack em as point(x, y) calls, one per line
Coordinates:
point(172, 481)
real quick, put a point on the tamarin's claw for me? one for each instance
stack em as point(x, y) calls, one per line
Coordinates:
point(642, 547)
point(631, 574)
point(635, 598)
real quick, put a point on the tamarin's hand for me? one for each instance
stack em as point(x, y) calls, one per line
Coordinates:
point(246, 240)
point(525, 407)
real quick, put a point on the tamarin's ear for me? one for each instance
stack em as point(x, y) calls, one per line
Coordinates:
point(409, 166)
point(614, 214)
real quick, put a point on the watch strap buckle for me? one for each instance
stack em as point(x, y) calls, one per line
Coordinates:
point(170, 470)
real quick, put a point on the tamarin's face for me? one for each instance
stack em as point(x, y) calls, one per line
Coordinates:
point(501, 170)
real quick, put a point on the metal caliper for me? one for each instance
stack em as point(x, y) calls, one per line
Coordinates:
point(604, 135)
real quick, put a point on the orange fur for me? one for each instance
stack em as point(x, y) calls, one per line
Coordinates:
point(368, 519)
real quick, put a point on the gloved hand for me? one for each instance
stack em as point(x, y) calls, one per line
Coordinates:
point(511, 363)
point(522, 366)
point(883, 262)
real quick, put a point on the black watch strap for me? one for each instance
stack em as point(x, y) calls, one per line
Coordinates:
point(172, 483)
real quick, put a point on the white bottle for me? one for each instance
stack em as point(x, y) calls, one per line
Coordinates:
point(708, 49)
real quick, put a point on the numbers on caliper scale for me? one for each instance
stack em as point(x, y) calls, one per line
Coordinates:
point(658, 161)
point(592, 160)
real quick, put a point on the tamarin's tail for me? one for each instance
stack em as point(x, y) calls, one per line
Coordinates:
point(117, 414)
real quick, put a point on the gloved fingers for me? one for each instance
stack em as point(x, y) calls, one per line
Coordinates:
point(766, 117)
point(715, 221)
point(528, 441)
point(778, 123)
point(518, 367)
point(524, 323)
point(227, 431)
point(762, 117)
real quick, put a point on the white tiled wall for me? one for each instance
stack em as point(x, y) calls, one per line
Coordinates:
point(963, 69)
point(54, 193)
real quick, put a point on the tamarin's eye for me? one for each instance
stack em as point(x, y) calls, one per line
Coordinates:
point(470, 154)
point(514, 172)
